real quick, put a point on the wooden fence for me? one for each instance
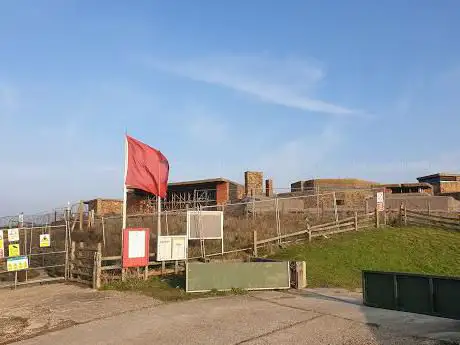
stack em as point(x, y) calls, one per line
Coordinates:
point(111, 269)
point(85, 263)
point(423, 219)
point(354, 223)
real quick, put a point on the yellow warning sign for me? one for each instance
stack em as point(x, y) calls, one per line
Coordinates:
point(45, 240)
point(13, 250)
point(2, 253)
point(17, 264)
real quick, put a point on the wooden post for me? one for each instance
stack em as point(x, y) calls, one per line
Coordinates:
point(300, 280)
point(356, 221)
point(429, 207)
point(401, 212)
point(335, 210)
point(146, 272)
point(103, 230)
point(176, 267)
point(163, 267)
point(255, 243)
point(80, 210)
point(97, 269)
point(72, 260)
point(309, 232)
point(377, 220)
point(367, 207)
point(405, 215)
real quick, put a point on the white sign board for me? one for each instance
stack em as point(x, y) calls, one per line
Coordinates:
point(207, 225)
point(172, 248)
point(164, 248)
point(380, 201)
point(179, 248)
point(136, 248)
point(13, 235)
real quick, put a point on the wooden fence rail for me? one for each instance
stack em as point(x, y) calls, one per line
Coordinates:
point(353, 223)
point(423, 219)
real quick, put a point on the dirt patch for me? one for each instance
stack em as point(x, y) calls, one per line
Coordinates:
point(31, 311)
point(12, 324)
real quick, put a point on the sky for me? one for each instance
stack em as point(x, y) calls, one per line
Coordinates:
point(297, 89)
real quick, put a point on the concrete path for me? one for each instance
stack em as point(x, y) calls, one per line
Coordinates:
point(259, 318)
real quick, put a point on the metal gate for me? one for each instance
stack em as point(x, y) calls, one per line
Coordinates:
point(34, 254)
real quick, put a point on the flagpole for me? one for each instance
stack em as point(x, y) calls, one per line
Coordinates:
point(125, 190)
point(158, 211)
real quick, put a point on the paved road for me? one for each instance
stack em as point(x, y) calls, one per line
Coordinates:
point(259, 318)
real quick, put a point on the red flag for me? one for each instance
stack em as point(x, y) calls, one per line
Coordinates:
point(147, 168)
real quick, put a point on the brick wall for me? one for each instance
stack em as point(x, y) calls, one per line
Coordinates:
point(253, 183)
point(269, 188)
point(222, 193)
point(138, 203)
point(103, 207)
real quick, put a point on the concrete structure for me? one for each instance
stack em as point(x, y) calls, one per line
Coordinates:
point(253, 183)
point(443, 183)
point(329, 185)
point(419, 202)
point(104, 207)
point(349, 192)
point(404, 188)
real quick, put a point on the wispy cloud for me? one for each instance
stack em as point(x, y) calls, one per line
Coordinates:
point(301, 157)
point(287, 82)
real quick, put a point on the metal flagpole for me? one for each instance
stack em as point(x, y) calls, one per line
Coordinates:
point(125, 191)
point(125, 201)
point(158, 210)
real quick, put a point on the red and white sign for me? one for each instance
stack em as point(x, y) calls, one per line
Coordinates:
point(135, 247)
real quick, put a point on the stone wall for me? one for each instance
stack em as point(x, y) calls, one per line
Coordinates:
point(449, 187)
point(253, 183)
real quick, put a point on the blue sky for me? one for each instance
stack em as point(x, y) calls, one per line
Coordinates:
point(297, 89)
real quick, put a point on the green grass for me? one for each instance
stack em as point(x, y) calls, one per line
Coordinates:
point(338, 261)
point(167, 289)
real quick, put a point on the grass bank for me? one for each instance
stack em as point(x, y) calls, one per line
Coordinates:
point(339, 260)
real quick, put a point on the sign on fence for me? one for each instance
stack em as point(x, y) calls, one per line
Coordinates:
point(17, 264)
point(13, 250)
point(13, 235)
point(135, 247)
point(208, 225)
point(380, 201)
point(2, 253)
point(45, 240)
point(172, 248)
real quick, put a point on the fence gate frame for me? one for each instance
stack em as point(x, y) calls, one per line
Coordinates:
point(30, 248)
